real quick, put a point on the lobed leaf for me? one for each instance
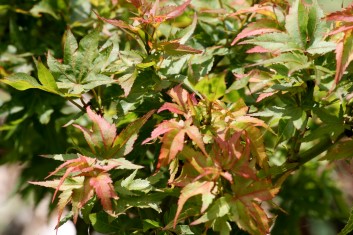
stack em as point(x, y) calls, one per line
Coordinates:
point(127, 137)
point(104, 189)
point(87, 51)
point(212, 87)
point(297, 22)
point(219, 209)
point(70, 48)
point(190, 190)
point(101, 137)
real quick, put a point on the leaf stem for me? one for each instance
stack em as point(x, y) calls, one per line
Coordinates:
point(77, 105)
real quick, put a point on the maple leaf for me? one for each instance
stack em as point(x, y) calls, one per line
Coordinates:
point(68, 187)
point(243, 206)
point(200, 173)
point(183, 102)
point(103, 139)
point(83, 177)
point(199, 166)
point(154, 14)
point(104, 189)
point(257, 28)
point(173, 139)
point(345, 15)
point(266, 10)
point(246, 202)
point(344, 48)
point(175, 48)
point(119, 23)
point(204, 188)
point(78, 165)
point(102, 135)
point(150, 14)
point(231, 155)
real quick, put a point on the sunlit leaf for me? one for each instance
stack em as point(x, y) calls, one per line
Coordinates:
point(212, 87)
point(191, 190)
point(21, 81)
point(104, 189)
point(218, 209)
point(257, 28)
point(46, 78)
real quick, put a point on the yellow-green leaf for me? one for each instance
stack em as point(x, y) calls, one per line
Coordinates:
point(46, 78)
point(212, 87)
point(21, 81)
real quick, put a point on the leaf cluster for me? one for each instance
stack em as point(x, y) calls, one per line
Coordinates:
point(252, 100)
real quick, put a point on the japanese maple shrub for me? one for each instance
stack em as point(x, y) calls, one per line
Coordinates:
point(191, 115)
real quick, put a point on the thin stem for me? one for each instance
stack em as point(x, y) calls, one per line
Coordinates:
point(95, 95)
point(209, 113)
point(308, 155)
point(298, 136)
point(77, 105)
point(83, 102)
point(315, 151)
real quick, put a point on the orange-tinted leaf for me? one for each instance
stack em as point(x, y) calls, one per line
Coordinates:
point(104, 189)
point(258, 49)
point(174, 48)
point(125, 140)
point(136, 3)
point(245, 208)
point(176, 145)
point(231, 155)
point(118, 23)
point(101, 137)
point(264, 95)
point(64, 199)
point(341, 29)
point(173, 139)
point(195, 135)
point(196, 158)
point(174, 108)
point(179, 95)
point(166, 154)
point(80, 197)
point(344, 56)
point(190, 190)
point(346, 15)
point(344, 48)
point(102, 129)
point(162, 128)
point(257, 28)
point(256, 139)
point(263, 10)
point(176, 11)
